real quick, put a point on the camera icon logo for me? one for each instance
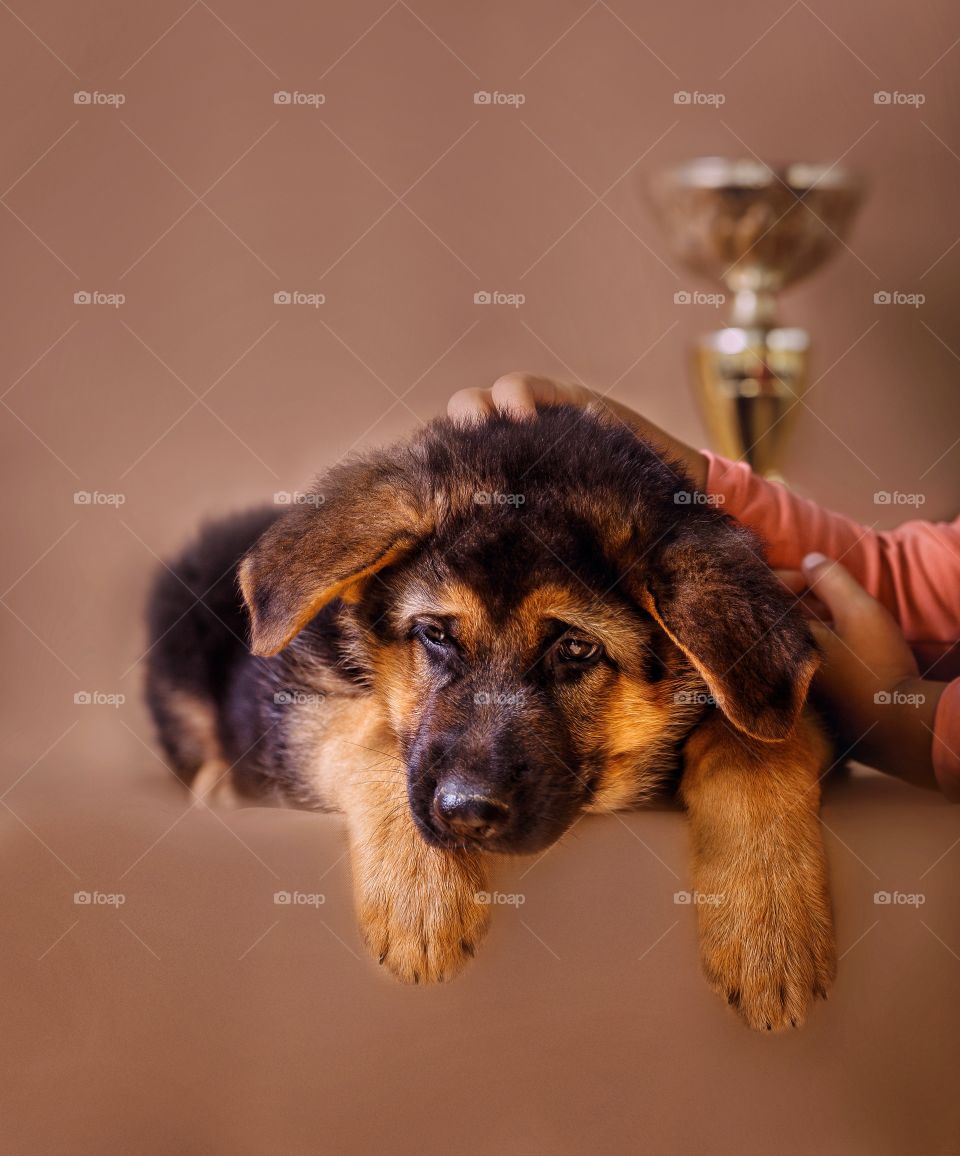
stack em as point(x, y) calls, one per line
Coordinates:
point(882, 98)
point(82, 297)
point(282, 98)
point(682, 897)
point(282, 298)
point(682, 297)
point(682, 98)
point(883, 698)
point(482, 298)
point(881, 897)
point(482, 98)
point(82, 98)
point(282, 897)
point(882, 298)
point(683, 498)
point(82, 897)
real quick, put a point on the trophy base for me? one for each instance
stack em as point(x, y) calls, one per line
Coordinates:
point(748, 383)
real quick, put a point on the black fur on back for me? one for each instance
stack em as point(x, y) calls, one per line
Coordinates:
point(197, 627)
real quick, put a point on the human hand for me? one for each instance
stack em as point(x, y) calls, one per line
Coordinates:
point(522, 393)
point(869, 682)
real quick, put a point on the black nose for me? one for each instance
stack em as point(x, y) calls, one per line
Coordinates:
point(468, 814)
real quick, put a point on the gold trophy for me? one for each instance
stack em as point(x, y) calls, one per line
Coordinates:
point(756, 230)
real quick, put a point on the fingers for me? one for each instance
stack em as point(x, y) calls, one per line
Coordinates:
point(823, 635)
point(794, 580)
point(844, 597)
point(517, 394)
point(810, 605)
point(470, 405)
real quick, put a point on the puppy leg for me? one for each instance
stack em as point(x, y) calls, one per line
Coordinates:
point(417, 905)
point(763, 904)
point(212, 784)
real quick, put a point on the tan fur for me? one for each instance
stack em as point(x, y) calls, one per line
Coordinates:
point(455, 599)
point(766, 932)
point(418, 906)
point(637, 727)
point(582, 611)
point(196, 720)
point(268, 639)
point(212, 784)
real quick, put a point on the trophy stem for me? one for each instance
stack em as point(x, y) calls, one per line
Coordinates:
point(748, 383)
point(753, 309)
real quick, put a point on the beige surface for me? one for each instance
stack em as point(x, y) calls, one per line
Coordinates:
point(212, 1020)
point(185, 1031)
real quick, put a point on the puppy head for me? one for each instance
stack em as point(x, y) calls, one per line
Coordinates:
point(542, 620)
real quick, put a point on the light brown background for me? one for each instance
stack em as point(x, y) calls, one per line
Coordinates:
point(200, 1017)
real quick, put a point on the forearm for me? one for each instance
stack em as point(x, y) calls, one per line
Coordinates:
point(899, 730)
point(913, 570)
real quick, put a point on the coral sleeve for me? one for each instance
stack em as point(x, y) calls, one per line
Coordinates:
point(913, 570)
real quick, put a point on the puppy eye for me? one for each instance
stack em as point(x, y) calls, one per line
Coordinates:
point(433, 634)
point(578, 650)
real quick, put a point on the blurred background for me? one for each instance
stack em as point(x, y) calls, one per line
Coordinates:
point(241, 240)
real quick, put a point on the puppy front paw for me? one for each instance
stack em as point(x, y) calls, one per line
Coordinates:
point(420, 910)
point(767, 945)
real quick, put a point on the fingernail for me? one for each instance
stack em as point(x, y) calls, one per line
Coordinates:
point(813, 560)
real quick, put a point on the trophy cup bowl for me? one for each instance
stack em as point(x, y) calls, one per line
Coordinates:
point(756, 230)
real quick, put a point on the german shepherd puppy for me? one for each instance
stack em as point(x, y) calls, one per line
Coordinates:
point(465, 641)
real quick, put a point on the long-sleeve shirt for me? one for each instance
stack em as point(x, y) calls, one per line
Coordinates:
point(914, 571)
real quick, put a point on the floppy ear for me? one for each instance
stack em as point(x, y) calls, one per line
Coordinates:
point(717, 600)
point(360, 518)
